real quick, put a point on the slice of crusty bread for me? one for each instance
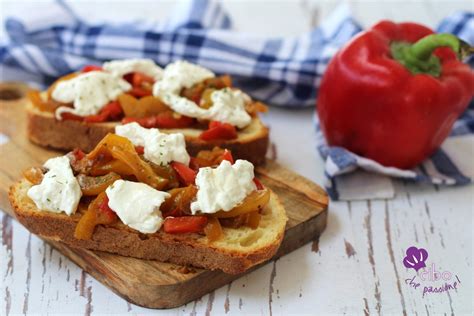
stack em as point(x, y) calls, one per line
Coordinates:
point(238, 250)
point(44, 130)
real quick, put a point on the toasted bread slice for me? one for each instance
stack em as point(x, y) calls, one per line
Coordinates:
point(44, 130)
point(236, 251)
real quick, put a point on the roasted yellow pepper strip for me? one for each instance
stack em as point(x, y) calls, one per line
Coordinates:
point(96, 185)
point(115, 165)
point(255, 201)
point(213, 229)
point(37, 100)
point(98, 213)
point(123, 150)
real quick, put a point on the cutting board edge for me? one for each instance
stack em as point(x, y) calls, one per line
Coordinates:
point(77, 255)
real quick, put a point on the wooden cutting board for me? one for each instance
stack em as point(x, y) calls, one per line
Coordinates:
point(148, 283)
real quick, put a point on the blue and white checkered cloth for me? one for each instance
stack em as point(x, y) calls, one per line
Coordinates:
point(279, 71)
point(283, 72)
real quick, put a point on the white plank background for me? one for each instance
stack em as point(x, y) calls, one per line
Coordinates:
point(357, 267)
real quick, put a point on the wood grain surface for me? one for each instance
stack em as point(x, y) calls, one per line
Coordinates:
point(155, 284)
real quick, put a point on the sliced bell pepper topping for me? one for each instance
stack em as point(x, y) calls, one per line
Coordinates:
point(218, 130)
point(96, 185)
point(143, 107)
point(162, 120)
point(184, 224)
point(71, 117)
point(255, 201)
point(168, 173)
point(88, 68)
point(106, 212)
point(43, 105)
point(111, 111)
point(194, 164)
point(206, 101)
point(258, 184)
point(254, 107)
point(122, 149)
point(140, 150)
point(213, 229)
point(140, 92)
point(78, 154)
point(227, 155)
point(117, 166)
point(34, 175)
point(129, 105)
point(187, 176)
point(208, 158)
point(179, 203)
point(151, 105)
point(138, 79)
point(97, 213)
point(197, 92)
point(253, 219)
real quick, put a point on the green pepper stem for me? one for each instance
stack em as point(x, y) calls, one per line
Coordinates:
point(419, 58)
point(423, 49)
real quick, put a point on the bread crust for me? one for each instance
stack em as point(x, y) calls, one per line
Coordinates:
point(183, 249)
point(43, 129)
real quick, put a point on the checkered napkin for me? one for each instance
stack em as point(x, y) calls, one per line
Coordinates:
point(279, 71)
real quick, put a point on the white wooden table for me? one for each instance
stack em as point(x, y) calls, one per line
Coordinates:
point(357, 267)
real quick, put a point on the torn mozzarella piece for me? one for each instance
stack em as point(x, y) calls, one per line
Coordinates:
point(228, 106)
point(59, 191)
point(144, 66)
point(178, 75)
point(224, 187)
point(159, 148)
point(137, 205)
point(88, 92)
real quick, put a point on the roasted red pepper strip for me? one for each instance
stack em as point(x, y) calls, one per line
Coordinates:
point(110, 112)
point(138, 79)
point(88, 68)
point(139, 92)
point(162, 120)
point(140, 150)
point(218, 130)
point(184, 224)
point(106, 210)
point(227, 155)
point(71, 117)
point(393, 93)
point(186, 174)
point(78, 154)
point(258, 184)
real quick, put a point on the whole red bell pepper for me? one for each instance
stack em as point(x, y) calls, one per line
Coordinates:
point(393, 93)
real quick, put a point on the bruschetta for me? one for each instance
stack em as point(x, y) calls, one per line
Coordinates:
point(139, 193)
point(79, 109)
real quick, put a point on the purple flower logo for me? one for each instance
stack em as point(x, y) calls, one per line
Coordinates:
point(415, 258)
